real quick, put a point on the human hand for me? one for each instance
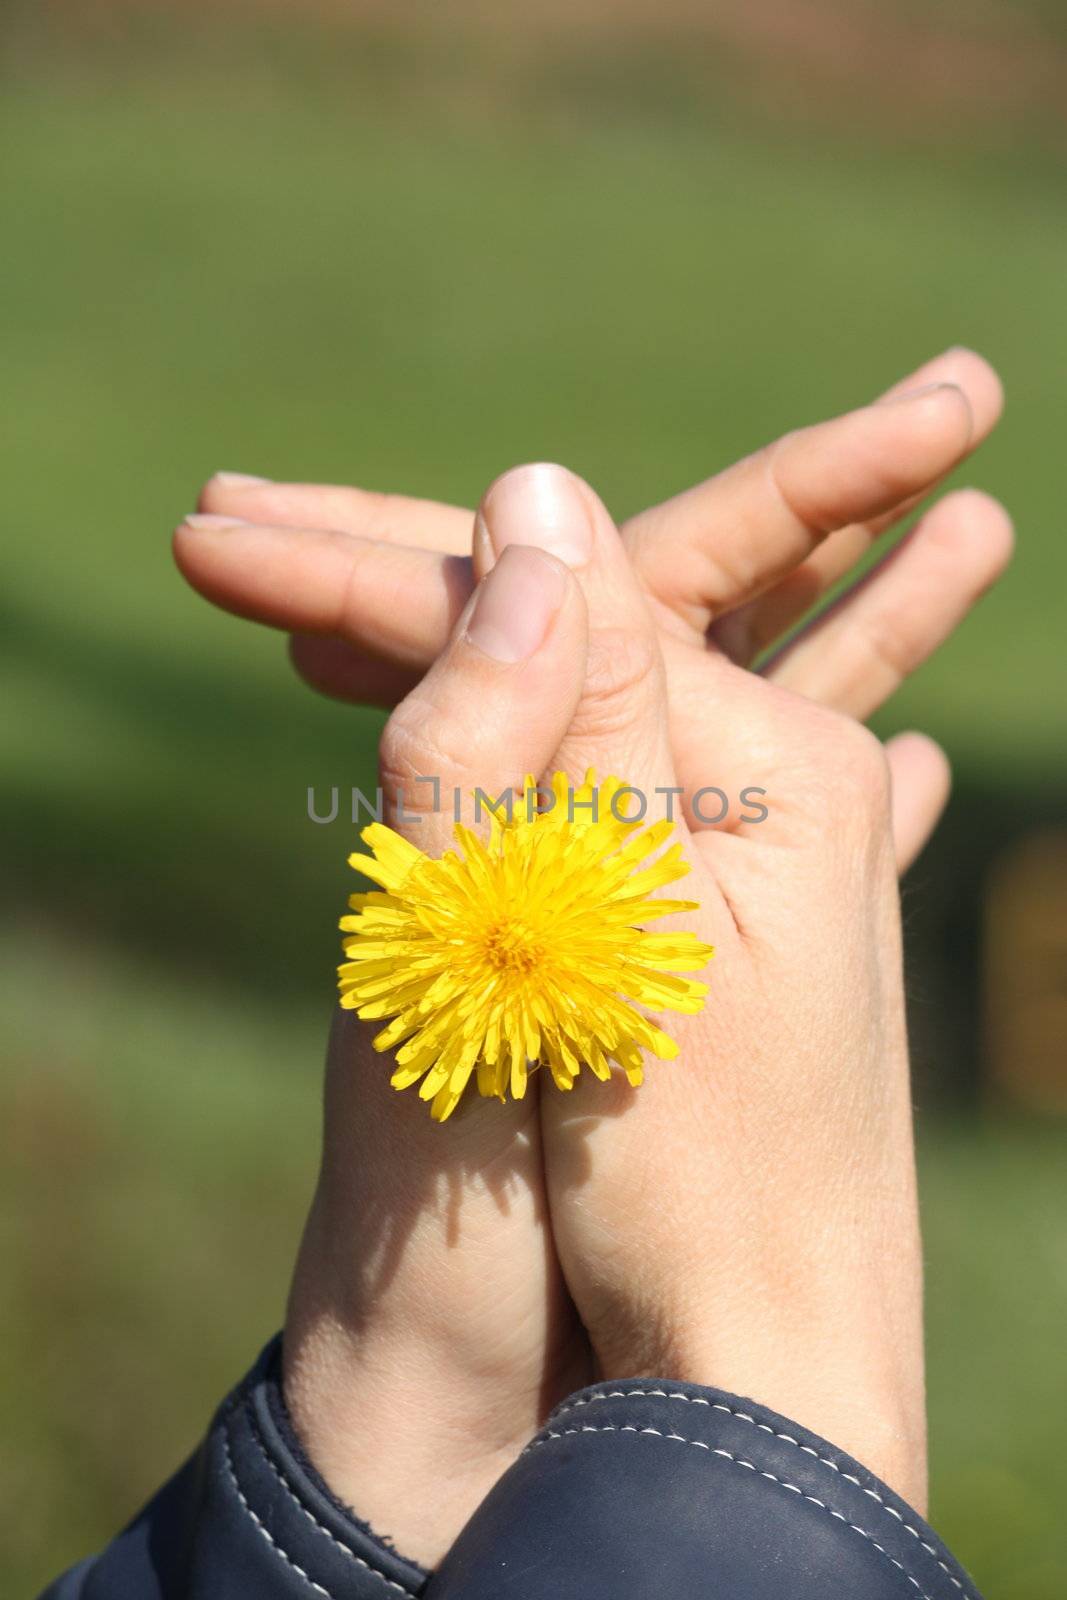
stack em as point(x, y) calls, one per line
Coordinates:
point(349, 1369)
point(373, 583)
point(747, 1218)
point(803, 1283)
point(428, 1329)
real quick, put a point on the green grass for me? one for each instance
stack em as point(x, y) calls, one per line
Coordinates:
point(210, 275)
point(993, 1206)
point(208, 281)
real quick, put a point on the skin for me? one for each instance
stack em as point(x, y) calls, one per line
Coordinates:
point(748, 1217)
point(371, 585)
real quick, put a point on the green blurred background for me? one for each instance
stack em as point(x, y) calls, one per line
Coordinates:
point(407, 247)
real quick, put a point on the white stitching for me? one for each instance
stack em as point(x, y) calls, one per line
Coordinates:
point(806, 1449)
point(228, 1457)
point(390, 1583)
point(276, 1547)
point(738, 1461)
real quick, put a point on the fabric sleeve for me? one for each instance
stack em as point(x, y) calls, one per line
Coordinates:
point(635, 1489)
point(651, 1488)
point(246, 1518)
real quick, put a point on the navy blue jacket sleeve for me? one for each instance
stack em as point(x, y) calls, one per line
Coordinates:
point(631, 1489)
point(647, 1488)
point(247, 1518)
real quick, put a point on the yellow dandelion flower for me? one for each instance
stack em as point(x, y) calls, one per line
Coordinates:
point(527, 950)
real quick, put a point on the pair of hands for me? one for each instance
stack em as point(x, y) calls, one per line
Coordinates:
point(747, 1218)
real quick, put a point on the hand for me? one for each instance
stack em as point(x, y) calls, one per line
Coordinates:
point(374, 583)
point(747, 1218)
point(363, 1292)
point(428, 1329)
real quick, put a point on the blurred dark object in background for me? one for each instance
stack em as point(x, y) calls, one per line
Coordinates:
point(1025, 973)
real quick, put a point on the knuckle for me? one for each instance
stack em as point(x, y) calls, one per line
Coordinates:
point(892, 646)
point(415, 746)
point(624, 673)
point(845, 759)
point(377, 511)
point(862, 767)
point(801, 508)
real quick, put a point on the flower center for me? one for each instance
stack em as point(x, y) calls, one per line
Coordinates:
point(510, 946)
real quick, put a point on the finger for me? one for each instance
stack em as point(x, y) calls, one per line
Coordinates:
point(392, 601)
point(497, 703)
point(773, 508)
point(745, 632)
point(392, 518)
point(920, 780)
point(337, 669)
point(720, 544)
point(494, 707)
point(620, 724)
point(857, 653)
point(971, 372)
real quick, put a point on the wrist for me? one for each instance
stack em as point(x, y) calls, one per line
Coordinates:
point(839, 1358)
point(425, 1376)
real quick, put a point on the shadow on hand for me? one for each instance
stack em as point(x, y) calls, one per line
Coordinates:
point(391, 1171)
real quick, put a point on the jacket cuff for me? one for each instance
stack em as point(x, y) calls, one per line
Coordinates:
point(631, 1489)
point(647, 1487)
point(247, 1515)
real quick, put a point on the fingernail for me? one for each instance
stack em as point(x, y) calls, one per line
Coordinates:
point(539, 505)
point(515, 606)
point(919, 394)
point(208, 519)
point(239, 480)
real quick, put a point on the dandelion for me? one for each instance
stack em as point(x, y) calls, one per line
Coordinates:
point(526, 950)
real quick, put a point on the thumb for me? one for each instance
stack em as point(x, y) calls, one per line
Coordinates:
point(494, 706)
point(620, 724)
